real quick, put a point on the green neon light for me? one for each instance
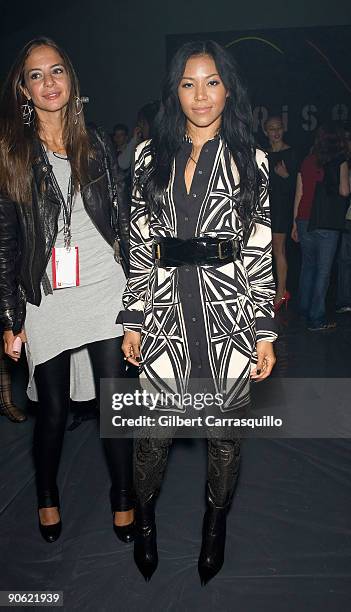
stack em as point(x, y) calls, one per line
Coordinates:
point(267, 42)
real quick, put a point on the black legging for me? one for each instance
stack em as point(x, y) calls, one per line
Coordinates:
point(53, 383)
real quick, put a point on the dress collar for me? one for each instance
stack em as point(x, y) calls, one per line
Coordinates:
point(188, 140)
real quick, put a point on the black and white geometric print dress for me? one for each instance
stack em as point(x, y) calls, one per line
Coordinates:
point(201, 322)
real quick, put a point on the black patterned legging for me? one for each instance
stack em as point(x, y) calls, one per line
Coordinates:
point(222, 469)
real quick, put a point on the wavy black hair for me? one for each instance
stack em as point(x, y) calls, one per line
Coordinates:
point(170, 128)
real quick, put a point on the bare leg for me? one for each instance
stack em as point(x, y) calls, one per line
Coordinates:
point(281, 264)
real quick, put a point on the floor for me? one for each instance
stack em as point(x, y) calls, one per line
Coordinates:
point(289, 530)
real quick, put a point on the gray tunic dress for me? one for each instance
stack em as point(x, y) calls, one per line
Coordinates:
point(73, 317)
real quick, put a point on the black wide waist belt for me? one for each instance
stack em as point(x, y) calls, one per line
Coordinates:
point(174, 252)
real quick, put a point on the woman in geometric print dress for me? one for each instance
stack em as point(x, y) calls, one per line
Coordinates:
point(199, 299)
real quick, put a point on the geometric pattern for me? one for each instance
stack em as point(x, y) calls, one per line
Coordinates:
point(237, 297)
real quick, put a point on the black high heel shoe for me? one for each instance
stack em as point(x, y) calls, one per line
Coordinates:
point(122, 498)
point(145, 542)
point(211, 556)
point(125, 533)
point(50, 533)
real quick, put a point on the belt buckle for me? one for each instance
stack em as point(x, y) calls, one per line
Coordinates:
point(157, 251)
point(220, 252)
point(236, 250)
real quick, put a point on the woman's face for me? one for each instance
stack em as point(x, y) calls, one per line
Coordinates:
point(274, 131)
point(201, 92)
point(120, 137)
point(46, 80)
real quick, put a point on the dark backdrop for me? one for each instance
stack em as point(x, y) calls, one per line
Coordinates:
point(119, 46)
point(303, 74)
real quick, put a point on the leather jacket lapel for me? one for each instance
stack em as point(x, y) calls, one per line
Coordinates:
point(42, 174)
point(46, 199)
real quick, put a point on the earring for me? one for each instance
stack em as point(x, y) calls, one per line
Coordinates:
point(79, 108)
point(28, 112)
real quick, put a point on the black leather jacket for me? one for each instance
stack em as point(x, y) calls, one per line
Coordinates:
point(28, 231)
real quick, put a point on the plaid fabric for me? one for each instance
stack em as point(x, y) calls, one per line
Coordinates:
point(7, 408)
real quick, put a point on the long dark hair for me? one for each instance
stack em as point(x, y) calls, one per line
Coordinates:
point(16, 139)
point(148, 113)
point(170, 126)
point(330, 142)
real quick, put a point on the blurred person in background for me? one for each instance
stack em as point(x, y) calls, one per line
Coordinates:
point(142, 131)
point(282, 182)
point(7, 407)
point(320, 206)
point(343, 303)
point(120, 137)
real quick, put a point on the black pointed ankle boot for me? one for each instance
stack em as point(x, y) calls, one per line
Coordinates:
point(213, 540)
point(145, 543)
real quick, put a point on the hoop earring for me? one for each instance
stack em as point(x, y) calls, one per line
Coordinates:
point(79, 108)
point(28, 112)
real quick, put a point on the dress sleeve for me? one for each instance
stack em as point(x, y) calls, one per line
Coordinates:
point(141, 259)
point(257, 254)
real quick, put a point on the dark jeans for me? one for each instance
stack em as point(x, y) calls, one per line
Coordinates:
point(318, 250)
point(53, 383)
point(344, 271)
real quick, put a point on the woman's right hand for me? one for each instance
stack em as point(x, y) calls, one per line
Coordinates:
point(9, 339)
point(131, 347)
point(294, 233)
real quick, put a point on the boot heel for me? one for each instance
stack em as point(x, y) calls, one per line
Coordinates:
point(211, 557)
point(145, 538)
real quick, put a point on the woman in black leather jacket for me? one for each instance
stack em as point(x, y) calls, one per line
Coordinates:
point(61, 201)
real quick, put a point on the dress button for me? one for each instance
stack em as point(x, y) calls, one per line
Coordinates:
point(45, 168)
point(206, 150)
point(193, 319)
point(197, 343)
point(194, 195)
point(190, 295)
point(199, 367)
point(187, 269)
point(200, 171)
point(186, 218)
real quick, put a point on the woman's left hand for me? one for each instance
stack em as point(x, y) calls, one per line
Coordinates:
point(265, 362)
point(281, 169)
